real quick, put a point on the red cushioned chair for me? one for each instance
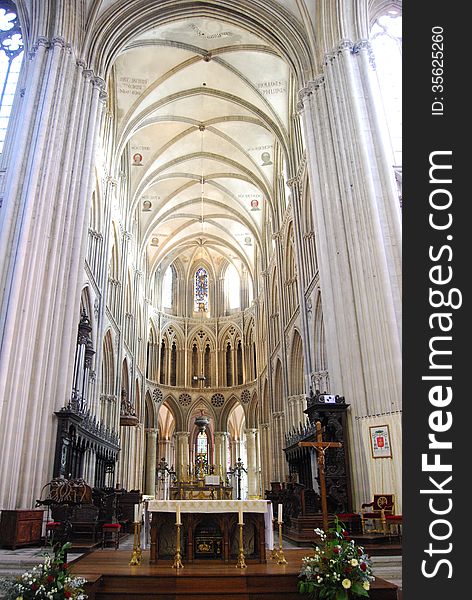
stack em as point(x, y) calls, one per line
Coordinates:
point(382, 506)
point(111, 532)
point(394, 522)
point(352, 521)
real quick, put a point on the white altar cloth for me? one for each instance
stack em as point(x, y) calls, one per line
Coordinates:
point(220, 506)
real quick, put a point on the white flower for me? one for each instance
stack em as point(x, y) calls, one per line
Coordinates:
point(354, 562)
point(346, 583)
point(366, 585)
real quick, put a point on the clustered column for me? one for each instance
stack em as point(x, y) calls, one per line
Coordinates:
point(221, 453)
point(181, 454)
point(151, 451)
point(357, 224)
point(43, 236)
point(252, 472)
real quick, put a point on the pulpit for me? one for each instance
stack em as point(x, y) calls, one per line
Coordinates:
point(318, 462)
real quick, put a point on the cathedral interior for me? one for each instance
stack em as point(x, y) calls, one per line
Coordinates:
point(200, 246)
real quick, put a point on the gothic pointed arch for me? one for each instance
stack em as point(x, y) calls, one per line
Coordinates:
point(296, 378)
point(277, 402)
point(290, 271)
point(265, 408)
point(321, 368)
point(253, 412)
point(150, 416)
point(274, 307)
point(172, 404)
point(228, 407)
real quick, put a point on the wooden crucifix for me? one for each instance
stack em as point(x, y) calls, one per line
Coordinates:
point(321, 448)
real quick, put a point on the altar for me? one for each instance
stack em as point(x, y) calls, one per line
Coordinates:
point(210, 529)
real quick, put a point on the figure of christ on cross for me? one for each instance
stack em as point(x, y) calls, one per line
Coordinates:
point(321, 448)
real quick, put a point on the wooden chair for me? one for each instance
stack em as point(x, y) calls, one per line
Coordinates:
point(111, 533)
point(383, 505)
point(394, 524)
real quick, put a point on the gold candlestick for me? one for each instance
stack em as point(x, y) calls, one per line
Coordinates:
point(241, 564)
point(137, 555)
point(178, 557)
point(280, 554)
point(273, 553)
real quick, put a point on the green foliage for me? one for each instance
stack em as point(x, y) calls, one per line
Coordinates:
point(50, 580)
point(338, 569)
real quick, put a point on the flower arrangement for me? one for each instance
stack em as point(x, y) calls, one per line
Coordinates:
point(50, 580)
point(338, 570)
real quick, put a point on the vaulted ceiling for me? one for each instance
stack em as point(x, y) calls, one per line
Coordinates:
point(203, 119)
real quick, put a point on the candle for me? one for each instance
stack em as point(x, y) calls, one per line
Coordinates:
point(279, 514)
point(177, 516)
point(136, 512)
point(241, 522)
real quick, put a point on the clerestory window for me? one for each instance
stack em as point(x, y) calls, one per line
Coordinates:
point(386, 40)
point(11, 56)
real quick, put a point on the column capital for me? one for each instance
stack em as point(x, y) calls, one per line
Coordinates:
point(364, 45)
point(60, 42)
point(111, 180)
point(345, 46)
point(41, 42)
point(251, 430)
point(306, 92)
point(98, 82)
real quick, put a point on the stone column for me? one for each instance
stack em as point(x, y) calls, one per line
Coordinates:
point(297, 229)
point(181, 454)
point(151, 451)
point(43, 234)
point(266, 453)
point(165, 451)
point(278, 432)
point(358, 222)
point(221, 453)
point(298, 405)
point(252, 474)
point(357, 226)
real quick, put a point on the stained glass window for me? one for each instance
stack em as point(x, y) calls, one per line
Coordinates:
point(201, 290)
point(11, 55)
point(202, 444)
